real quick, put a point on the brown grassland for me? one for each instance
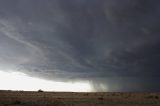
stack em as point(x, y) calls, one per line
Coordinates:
point(22, 98)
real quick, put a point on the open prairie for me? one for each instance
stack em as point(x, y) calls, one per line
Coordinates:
point(22, 98)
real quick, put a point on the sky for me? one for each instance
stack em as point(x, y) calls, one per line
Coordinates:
point(104, 45)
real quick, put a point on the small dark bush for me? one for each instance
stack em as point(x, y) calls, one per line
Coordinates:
point(59, 98)
point(17, 102)
point(153, 97)
point(86, 94)
point(156, 97)
point(40, 90)
point(100, 98)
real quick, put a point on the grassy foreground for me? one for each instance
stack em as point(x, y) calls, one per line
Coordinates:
point(21, 98)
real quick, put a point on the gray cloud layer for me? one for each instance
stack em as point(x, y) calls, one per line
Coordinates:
point(114, 42)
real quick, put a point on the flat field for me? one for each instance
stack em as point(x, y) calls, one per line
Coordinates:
point(22, 98)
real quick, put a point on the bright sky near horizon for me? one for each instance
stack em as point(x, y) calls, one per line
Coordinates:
point(20, 81)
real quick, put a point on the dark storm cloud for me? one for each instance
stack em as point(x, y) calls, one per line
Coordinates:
point(111, 42)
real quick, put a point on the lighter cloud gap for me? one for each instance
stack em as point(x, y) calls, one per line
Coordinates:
point(20, 81)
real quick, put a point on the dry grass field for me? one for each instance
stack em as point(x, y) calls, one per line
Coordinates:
point(21, 98)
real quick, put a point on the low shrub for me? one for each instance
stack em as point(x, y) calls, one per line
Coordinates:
point(40, 90)
point(100, 98)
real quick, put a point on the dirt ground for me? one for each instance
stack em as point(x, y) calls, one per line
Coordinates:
point(21, 98)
